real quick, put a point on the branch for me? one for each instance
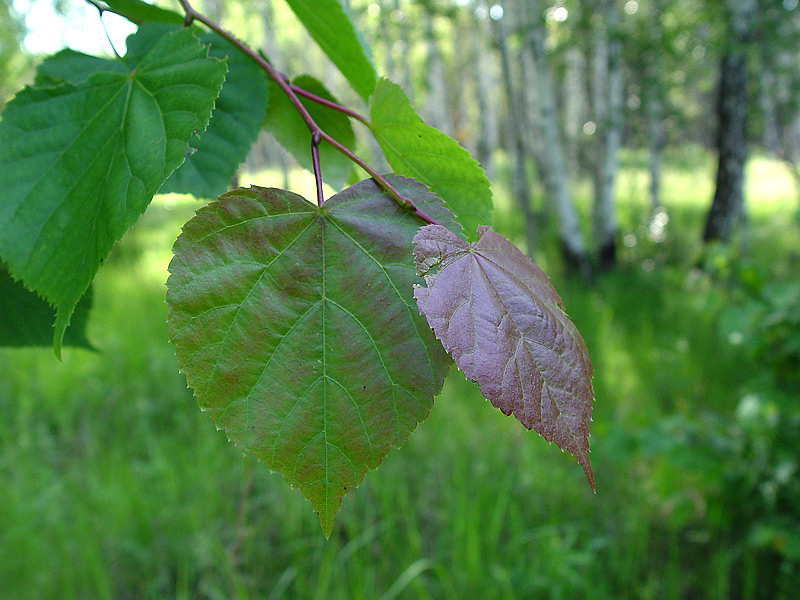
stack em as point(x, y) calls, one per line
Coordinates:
point(317, 133)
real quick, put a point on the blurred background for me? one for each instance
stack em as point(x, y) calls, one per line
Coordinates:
point(646, 154)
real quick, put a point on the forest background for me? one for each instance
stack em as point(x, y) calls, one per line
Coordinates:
point(646, 154)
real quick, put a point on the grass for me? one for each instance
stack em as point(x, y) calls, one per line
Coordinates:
point(114, 484)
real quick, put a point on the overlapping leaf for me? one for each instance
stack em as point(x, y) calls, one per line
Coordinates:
point(80, 162)
point(504, 324)
point(140, 12)
point(329, 25)
point(285, 123)
point(27, 320)
point(233, 128)
point(418, 150)
point(296, 327)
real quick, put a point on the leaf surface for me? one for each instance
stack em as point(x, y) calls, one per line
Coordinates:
point(329, 26)
point(27, 320)
point(297, 330)
point(502, 321)
point(234, 126)
point(285, 123)
point(140, 12)
point(418, 150)
point(80, 162)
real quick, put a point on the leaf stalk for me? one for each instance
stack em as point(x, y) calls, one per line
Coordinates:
point(317, 133)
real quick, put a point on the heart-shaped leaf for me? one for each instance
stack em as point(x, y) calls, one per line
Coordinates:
point(296, 327)
point(503, 322)
point(80, 162)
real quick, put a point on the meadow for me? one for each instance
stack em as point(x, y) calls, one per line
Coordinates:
point(113, 484)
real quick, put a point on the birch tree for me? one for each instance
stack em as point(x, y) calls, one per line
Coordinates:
point(607, 97)
point(552, 163)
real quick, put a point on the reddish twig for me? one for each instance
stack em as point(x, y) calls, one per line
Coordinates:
point(316, 132)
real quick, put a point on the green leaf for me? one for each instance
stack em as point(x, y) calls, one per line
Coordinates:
point(27, 320)
point(80, 162)
point(296, 328)
point(140, 12)
point(68, 66)
point(234, 126)
point(329, 25)
point(285, 123)
point(420, 151)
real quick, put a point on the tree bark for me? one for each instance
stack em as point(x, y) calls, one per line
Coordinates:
point(727, 207)
point(551, 160)
point(484, 84)
point(436, 102)
point(608, 95)
point(517, 119)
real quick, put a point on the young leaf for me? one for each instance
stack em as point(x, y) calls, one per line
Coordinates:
point(234, 126)
point(296, 328)
point(329, 25)
point(284, 122)
point(499, 317)
point(420, 151)
point(80, 162)
point(27, 320)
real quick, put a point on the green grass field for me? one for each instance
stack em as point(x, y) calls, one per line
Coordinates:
point(114, 485)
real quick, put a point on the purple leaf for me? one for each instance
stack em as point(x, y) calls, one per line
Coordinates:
point(500, 318)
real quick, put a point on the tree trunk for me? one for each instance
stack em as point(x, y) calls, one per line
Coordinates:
point(484, 83)
point(727, 208)
point(436, 102)
point(608, 95)
point(551, 162)
point(516, 118)
point(574, 105)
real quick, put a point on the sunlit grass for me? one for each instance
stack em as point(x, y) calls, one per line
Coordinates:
point(114, 485)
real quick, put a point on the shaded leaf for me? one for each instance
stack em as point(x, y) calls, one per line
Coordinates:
point(27, 320)
point(140, 12)
point(329, 26)
point(297, 330)
point(285, 123)
point(418, 150)
point(234, 126)
point(80, 162)
point(499, 317)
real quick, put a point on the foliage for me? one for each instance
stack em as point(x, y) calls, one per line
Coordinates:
point(294, 323)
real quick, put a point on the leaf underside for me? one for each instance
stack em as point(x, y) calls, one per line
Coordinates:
point(80, 162)
point(234, 126)
point(417, 150)
point(502, 321)
point(27, 320)
point(296, 327)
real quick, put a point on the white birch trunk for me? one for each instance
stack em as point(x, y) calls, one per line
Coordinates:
point(608, 90)
point(552, 162)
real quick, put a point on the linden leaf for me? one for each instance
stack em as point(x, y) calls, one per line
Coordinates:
point(296, 327)
point(500, 318)
point(80, 162)
point(418, 150)
point(329, 24)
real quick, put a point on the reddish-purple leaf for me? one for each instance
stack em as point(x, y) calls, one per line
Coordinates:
point(500, 318)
